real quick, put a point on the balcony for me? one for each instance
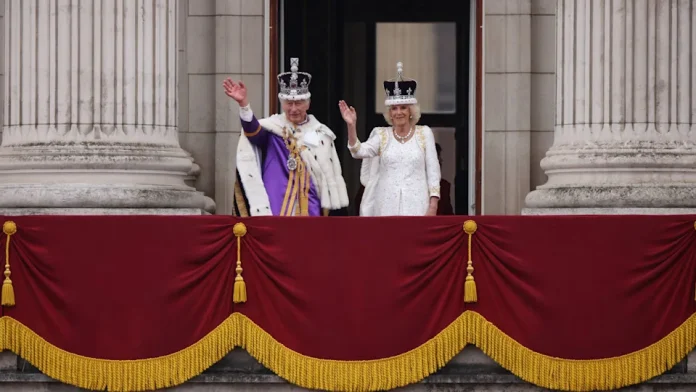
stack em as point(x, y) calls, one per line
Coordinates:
point(200, 303)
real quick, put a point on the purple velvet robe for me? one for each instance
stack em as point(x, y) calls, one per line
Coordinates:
point(274, 171)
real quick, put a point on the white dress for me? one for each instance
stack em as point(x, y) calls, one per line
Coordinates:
point(399, 178)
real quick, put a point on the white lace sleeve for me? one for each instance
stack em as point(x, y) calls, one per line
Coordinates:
point(245, 113)
point(369, 149)
point(432, 166)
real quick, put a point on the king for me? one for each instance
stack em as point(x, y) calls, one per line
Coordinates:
point(287, 164)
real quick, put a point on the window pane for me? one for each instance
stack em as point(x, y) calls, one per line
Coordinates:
point(428, 51)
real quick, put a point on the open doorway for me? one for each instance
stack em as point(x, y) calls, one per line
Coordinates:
point(351, 46)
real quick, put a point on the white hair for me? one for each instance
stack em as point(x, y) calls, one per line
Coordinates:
point(414, 109)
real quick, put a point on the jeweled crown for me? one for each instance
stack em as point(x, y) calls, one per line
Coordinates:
point(294, 85)
point(400, 91)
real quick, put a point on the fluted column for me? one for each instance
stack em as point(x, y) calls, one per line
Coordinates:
point(91, 107)
point(625, 136)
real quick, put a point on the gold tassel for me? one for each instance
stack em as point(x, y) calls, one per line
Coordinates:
point(469, 284)
point(8, 295)
point(240, 294)
point(239, 289)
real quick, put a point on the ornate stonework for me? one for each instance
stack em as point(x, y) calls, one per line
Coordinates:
point(90, 106)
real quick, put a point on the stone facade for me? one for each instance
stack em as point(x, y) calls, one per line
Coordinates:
point(520, 97)
point(518, 86)
point(219, 39)
point(188, 137)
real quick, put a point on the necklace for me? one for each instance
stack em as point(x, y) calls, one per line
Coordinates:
point(402, 139)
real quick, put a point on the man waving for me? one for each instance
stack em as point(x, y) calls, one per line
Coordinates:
point(287, 164)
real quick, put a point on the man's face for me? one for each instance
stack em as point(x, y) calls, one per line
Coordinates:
point(296, 111)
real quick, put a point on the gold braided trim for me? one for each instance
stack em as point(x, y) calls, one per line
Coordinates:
point(379, 374)
point(242, 209)
point(254, 133)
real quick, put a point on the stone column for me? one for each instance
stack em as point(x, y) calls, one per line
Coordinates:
point(90, 109)
point(624, 139)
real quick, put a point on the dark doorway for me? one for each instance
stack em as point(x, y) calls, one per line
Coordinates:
point(351, 46)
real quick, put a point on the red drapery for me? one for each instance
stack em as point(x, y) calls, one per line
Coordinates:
point(618, 288)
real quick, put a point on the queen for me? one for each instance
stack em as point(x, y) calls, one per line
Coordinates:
point(400, 169)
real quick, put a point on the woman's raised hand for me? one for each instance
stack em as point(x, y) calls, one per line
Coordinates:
point(347, 112)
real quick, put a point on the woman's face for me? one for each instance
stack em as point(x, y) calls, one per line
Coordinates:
point(400, 114)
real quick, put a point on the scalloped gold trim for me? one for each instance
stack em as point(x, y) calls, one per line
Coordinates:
point(333, 375)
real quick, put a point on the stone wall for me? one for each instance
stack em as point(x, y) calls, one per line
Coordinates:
point(518, 88)
point(218, 39)
point(2, 62)
point(543, 86)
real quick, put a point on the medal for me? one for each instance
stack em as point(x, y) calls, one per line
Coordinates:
point(292, 163)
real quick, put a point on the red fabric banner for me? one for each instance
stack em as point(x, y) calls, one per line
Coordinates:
point(122, 287)
point(353, 289)
point(569, 287)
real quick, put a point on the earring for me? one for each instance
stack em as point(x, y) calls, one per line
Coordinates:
point(410, 116)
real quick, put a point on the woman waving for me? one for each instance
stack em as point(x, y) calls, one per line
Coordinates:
point(400, 169)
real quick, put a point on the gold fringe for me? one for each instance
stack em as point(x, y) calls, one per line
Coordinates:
point(240, 294)
point(131, 375)
point(7, 297)
point(470, 295)
point(332, 375)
